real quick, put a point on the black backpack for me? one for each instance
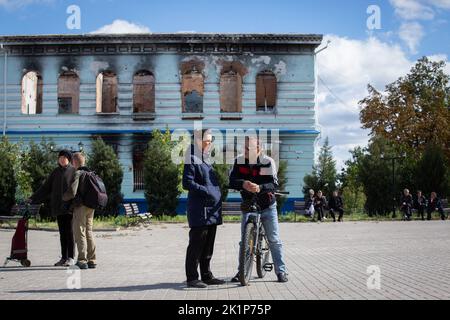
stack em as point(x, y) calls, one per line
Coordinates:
point(93, 192)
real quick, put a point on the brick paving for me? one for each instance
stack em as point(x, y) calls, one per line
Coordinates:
point(325, 261)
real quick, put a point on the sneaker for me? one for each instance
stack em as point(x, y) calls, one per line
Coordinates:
point(197, 284)
point(69, 262)
point(282, 277)
point(235, 278)
point(214, 282)
point(81, 265)
point(60, 263)
point(92, 265)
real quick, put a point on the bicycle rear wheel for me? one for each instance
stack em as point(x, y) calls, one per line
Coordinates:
point(246, 254)
point(263, 255)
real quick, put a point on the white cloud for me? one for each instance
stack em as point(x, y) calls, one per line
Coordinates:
point(347, 67)
point(411, 33)
point(413, 9)
point(122, 26)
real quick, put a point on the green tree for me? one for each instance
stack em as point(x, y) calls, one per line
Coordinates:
point(8, 182)
point(40, 162)
point(433, 172)
point(352, 188)
point(104, 161)
point(324, 174)
point(162, 176)
point(222, 172)
point(414, 111)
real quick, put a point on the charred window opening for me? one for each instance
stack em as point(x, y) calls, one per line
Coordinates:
point(231, 92)
point(266, 91)
point(143, 92)
point(32, 87)
point(140, 143)
point(68, 93)
point(192, 90)
point(107, 101)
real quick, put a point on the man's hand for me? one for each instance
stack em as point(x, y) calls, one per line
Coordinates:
point(251, 187)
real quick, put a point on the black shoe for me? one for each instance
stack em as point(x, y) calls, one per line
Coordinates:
point(92, 265)
point(235, 278)
point(60, 263)
point(197, 284)
point(82, 265)
point(282, 277)
point(214, 282)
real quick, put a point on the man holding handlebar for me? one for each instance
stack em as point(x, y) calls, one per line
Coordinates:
point(256, 174)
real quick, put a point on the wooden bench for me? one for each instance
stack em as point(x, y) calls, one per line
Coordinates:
point(132, 212)
point(231, 209)
point(299, 209)
point(18, 211)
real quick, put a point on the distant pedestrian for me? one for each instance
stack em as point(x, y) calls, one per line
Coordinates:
point(420, 204)
point(406, 205)
point(336, 204)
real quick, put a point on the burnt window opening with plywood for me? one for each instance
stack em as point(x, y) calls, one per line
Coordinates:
point(107, 88)
point(192, 91)
point(32, 89)
point(143, 92)
point(68, 93)
point(266, 91)
point(231, 79)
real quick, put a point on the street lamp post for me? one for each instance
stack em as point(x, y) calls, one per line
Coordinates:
point(394, 199)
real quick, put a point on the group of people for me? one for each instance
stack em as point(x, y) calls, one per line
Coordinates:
point(254, 174)
point(421, 204)
point(63, 190)
point(317, 202)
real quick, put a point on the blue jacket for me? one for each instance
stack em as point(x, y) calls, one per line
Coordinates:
point(204, 206)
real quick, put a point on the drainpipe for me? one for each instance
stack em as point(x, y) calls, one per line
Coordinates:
point(4, 87)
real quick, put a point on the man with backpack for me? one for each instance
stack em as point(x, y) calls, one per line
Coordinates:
point(83, 214)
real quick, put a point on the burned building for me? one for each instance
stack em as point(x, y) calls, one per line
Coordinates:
point(121, 87)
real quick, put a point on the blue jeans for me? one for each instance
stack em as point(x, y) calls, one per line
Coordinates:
point(269, 219)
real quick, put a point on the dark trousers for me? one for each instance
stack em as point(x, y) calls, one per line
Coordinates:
point(66, 235)
point(333, 215)
point(200, 251)
point(319, 211)
point(431, 210)
point(406, 212)
point(421, 212)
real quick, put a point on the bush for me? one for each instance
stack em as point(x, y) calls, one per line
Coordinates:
point(104, 161)
point(8, 182)
point(222, 173)
point(162, 177)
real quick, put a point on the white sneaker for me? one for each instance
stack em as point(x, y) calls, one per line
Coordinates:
point(70, 262)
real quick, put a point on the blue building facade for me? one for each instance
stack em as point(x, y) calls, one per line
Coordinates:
point(71, 88)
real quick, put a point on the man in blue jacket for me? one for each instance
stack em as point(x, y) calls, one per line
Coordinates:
point(204, 211)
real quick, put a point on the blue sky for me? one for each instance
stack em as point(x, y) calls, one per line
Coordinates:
point(356, 56)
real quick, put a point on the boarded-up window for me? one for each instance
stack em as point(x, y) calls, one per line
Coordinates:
point(106, 93)
point(192, 89)
point(32, 88)
point(68, 93)
point(231, 92)
point(143, 92)
point(266, 91)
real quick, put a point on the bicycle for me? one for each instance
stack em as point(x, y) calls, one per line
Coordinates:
point(254, 245)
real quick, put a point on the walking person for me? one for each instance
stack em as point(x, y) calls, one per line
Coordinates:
point(204, 211)
point(54, 187)
point(83, 217)
point(406, 205)
point(336, 204)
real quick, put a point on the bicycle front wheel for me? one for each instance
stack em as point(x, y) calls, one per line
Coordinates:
point(263, 254)
point(246, 255)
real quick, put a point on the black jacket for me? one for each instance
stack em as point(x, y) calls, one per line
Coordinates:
point(262, 173)
point(406, 201)
point(204, 206)
point(308, 202)
point(53, 188)
point(336, 203)
point(320, 202)
point(420, 202)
